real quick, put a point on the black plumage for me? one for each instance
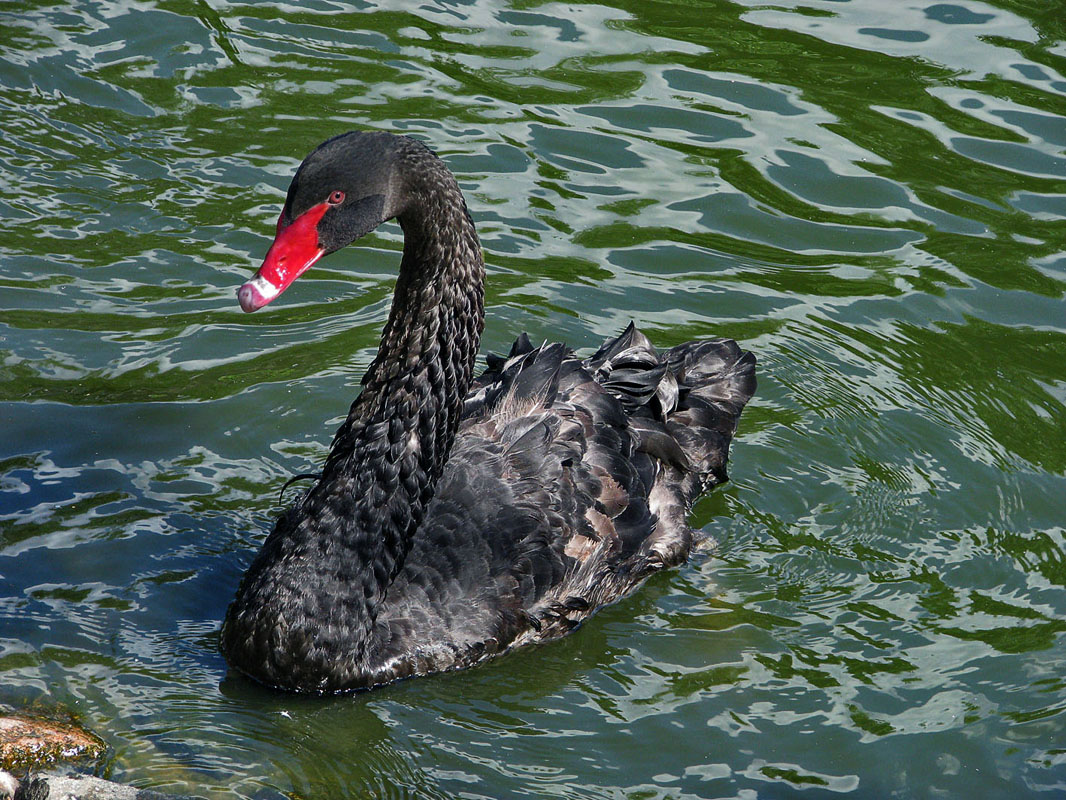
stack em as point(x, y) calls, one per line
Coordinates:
point(456, 518)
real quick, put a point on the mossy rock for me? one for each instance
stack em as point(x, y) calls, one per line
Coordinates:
point(28, 742)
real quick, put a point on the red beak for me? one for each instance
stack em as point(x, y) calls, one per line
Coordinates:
point(294, 250)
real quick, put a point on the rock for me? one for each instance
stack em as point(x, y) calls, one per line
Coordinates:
point(86, 787)
point(28, 743)
point(32, 789)
point(32, 742)
point(57, 786)
point(8, 785)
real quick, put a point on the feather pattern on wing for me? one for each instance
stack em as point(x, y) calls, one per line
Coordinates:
point(590, 465)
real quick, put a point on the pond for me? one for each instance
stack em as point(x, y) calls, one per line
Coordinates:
point(870, 197)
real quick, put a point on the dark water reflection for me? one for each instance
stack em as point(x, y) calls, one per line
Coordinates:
point(870, 199)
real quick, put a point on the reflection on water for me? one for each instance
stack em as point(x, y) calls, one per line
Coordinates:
point(869, 198)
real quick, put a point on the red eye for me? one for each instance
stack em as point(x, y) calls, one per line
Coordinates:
point(336, 198)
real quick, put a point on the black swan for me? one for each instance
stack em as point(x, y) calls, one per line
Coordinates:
point(456, 517)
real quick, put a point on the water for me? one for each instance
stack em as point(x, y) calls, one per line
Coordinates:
point(870, 197)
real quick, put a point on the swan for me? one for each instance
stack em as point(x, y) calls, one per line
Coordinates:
point(459, 517)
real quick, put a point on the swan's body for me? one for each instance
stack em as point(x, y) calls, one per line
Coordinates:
point(455, 518)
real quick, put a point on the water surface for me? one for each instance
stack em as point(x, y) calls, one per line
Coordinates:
point(870, 198)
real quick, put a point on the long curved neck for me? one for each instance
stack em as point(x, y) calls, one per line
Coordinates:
point(401, 427)
point(390, 451)
point(307, 612)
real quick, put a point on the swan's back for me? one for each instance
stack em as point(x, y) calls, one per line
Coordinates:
point(570, 482)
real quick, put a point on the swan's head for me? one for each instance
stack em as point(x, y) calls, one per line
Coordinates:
point(347, 187)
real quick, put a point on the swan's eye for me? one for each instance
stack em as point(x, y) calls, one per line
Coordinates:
point(336, 198)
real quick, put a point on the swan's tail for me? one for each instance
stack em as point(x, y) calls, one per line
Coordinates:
point(684, 406)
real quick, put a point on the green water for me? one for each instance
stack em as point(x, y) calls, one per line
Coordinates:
point(868, 195)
